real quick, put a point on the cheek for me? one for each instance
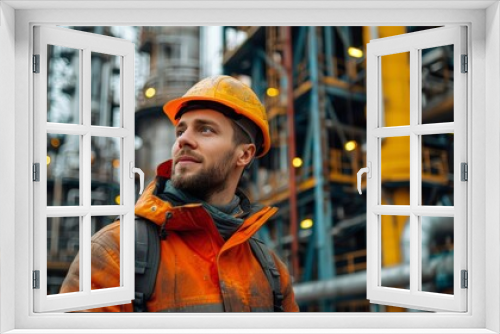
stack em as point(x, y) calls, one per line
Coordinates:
point(175, 148)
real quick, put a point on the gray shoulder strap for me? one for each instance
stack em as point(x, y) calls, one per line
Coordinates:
point(147, 261)
point(270, 270)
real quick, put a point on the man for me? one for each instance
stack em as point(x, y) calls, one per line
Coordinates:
point(207, 261)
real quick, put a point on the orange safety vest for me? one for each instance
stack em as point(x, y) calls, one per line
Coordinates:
point(198, 270)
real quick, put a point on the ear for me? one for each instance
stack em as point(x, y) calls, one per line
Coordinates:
point(246, 152)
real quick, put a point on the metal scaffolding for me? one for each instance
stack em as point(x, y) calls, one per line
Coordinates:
point(312, 81)
point(308, 69)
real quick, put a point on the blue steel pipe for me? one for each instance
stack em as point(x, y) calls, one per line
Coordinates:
point(322, 205)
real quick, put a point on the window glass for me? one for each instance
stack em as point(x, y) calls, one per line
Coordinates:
point(395, 89)
point(105, 89)
point(63, 244)
point(63, 170)
point(437, 84)
point(106, 164)
point(106, 227)
point(395, 170)
point(437, 254)
point(63, 85)
point(395, 271)
point(437, 170)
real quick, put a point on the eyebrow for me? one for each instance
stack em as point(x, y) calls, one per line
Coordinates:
point(198, 122)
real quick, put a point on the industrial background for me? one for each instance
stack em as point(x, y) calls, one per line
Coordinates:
point(312, 82)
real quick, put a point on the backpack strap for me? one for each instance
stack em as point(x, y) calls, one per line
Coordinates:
point(147, 261)
point(272, 273)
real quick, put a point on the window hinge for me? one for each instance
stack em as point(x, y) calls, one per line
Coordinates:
point(465, 279)
point(36, 279)
point(36, 63)
point(464, 171)
point(465, 64)
point(36, 172)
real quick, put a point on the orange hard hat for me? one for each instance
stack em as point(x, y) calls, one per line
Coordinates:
point(230, 92)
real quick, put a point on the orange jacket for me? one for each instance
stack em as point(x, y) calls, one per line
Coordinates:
point(199, 271)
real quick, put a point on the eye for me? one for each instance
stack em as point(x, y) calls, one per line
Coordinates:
point(207, 129)
point(178, 133)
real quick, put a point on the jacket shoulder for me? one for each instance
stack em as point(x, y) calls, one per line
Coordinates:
point(107, 241)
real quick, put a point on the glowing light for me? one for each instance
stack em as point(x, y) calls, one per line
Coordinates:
point(306, 224)
point(150, 92)
point(48, 160)
point(117, 199)
point(55, 142)
point(272, 92)
point(116, 163)
point(355, 52)
point(350, 145)
point(297, 162)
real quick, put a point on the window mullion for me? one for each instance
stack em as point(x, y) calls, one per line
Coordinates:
point(85, 236)
point(81, 171)
point(414, 169)
point(373, 156)
point(85, 275)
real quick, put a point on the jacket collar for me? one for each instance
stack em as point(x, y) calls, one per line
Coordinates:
point(190, 216)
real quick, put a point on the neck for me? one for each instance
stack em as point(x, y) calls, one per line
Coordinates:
point(226, 195)
point(222, 198)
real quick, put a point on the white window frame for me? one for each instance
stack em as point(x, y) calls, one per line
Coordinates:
point(483, 20)
point(376, 131)
point(85, 43)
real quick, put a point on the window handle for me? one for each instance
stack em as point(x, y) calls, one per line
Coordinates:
point(368, 171)
point(133, 170)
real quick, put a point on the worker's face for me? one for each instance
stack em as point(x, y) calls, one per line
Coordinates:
point(204, 153)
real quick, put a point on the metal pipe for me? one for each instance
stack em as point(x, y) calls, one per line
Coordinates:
point(286, 81)
point(290, 113)
point(355, 284)
point(431, 228)
point(300, 46)
point(330, 51)
point(322, 199)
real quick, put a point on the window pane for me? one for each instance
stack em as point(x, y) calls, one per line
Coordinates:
point(106, 228)
point(105, 170)
point(437, 254)
point(395, 170)
point(63, 85)
point(105, 89)
point(63, 170)
point(437, 170)
point(394, 257)
point(437, 84)
point(63, 243)
point(395, 90)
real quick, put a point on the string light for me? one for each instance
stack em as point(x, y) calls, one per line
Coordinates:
point(306, 224)
point(150, 92)
point(272, 92)
point(350, 145)
point(297, 162)
point(355, 52)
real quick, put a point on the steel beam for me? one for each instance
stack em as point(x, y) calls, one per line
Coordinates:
point(322, 204)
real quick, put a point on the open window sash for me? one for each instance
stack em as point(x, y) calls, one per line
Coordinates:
point(412, 295)
point(84, 44)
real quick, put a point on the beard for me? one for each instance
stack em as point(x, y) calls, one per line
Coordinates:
point(208, 181)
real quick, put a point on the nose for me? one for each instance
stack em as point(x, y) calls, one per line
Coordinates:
point(186, 139)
